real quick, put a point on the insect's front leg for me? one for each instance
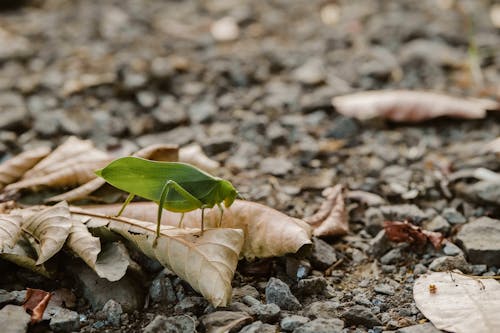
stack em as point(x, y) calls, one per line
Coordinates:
point(127, 201)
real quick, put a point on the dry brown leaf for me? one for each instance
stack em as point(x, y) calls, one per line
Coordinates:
point(268, 233)
point(10, 228)
point(194, 155)
point(79, 192)
point(13, 169)
point(410, 106)
point(48, 229)
point(22, 255)
point(331, 218)
point(207, 262)
point(35, 303)
point(409, 233)
point(459, 303)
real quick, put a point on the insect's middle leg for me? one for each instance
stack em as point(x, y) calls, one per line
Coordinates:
point(179, 225)
point(221, 214)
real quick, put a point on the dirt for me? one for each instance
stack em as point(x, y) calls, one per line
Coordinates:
point(132, 73)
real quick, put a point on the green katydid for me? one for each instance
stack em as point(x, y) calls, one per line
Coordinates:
point(175, 186)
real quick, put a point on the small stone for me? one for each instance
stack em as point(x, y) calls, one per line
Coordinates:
point(311, 72)
point(420, 328)
point(296, 268)
point(380, 244)
point(438, 224)
point(225, 321)
point(321, 325)
point(218, 144)
point(419, 269)
point(276, 166)
point(384, 289)
point(323, 254)
point(481, 241)
point(13, 46)
point(246, 290)
point(479, 269)
point(403, 212)
point(14, 319)
point(180, 135)
point(15, 296)
point(176, 324)
point(449, 263)
point(113, 311)
point(267, 313)
point(225, 30)
point(13, 111)
point(322, 309)
point(391, 257)
point(193, 304)
point(451, 249)
point(360, 315)
point(202, 112)
point(279, 293)
point(161, 289)
point(452, 216)
point(169, 113)
point(259, 327)
point(290, 323)
point(344, 128)
point(312, 286)
point(61, 319)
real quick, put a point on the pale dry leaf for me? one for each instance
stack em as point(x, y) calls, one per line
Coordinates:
point(13, 169)
point(493, 146)
point(49, 228)
point(194, 155)
point(458, 303)
point(410, 106)
point(79, 192)
point(112, 262)
point(368, 198)
point(268, 232)
point(207, 262)
point(10, 229)
point(22, 255)
point(331, 218)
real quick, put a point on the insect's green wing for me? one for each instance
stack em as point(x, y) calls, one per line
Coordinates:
point(147, 179)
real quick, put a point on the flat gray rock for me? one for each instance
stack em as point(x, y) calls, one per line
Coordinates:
point(14, 319)
point(321, 325)
point(176, 324)
point(481, 241)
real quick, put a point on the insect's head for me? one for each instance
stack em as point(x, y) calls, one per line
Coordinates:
point(229, 192)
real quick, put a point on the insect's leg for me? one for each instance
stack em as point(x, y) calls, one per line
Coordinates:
point(221, 214)
point(127, 201)
point(180, 222)
point(202, 216)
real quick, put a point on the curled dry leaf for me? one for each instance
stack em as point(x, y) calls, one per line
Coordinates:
point(268, 233)
point(13, 169)
point(110, 263)
point(194, 155)
point(35, 303)
point(409, 233)
point(10, 228)
point(410, 106)
point(22, 255)
point(48, 228)
point(331, 218)
point(459, 303)
point(207, 262)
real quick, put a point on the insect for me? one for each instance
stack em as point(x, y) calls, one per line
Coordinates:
point(175, 186)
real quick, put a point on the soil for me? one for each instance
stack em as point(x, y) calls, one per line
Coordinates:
point(131, 73)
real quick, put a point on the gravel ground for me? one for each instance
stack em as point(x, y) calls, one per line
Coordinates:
point(252, 83)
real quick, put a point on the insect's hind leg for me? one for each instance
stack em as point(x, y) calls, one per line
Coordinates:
point(221, 214)
point(179, 225)
point(125, 204)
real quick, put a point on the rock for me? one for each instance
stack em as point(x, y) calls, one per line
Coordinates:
point(321, 325)
point(161, 289)
point(218, 144)
point(225, 30)
point(312, 286)
point(14, 319)
point(449, 263)
point(420, 328)
point(180, 135)
point(403, 212)
point(481, 241)
point(279, 293)
point(61, 319)
point(311, 72)
point(438, 224)
point(391, 257)
point(289, 323)
point(360, 315)
point(384, 289)
point(169, 113)
point(202, 112)
point(452, 216)
point(451, 249)
point(322, 255)
point(15, 296)
point(380, 244)
point(431, 53)
point(296, 268)
point(225, 321)
point(244, 157)
point(246, 290)
point(98, 291)
point(276, 166)
point(146, 99)
point(113, 311)
point(193, 304)
point(419, 269)
point(267, 313)
point(344, 128)
point(13, 111)
point(373, 219)
point(13, 46)
point(258, 327)
point(322, 309)
point(176, 324)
